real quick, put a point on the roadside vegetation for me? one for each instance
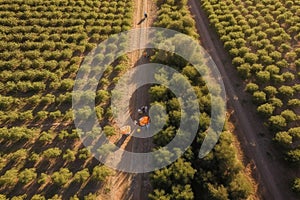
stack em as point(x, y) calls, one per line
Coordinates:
point(220, 175)
point(262, 37)
point(41, 47)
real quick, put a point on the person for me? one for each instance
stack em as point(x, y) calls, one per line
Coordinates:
point(145, 15)
point(144, 109)
point(147, 126)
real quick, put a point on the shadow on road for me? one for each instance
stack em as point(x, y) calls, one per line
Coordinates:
point(141, 21)
point(121, 140)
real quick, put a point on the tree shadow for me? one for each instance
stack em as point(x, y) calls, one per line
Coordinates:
point(121, 140)
point(71, 190)
point(141, 21)
point(92, 186)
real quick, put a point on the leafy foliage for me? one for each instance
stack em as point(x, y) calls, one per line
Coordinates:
point(62, 176)
point(260, 36)
point(218, 175)
point(42, 46)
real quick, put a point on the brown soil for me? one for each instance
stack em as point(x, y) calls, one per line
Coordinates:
point(128, 185)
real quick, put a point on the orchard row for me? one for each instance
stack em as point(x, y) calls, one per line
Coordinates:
point(262, 37)
point(42, 44)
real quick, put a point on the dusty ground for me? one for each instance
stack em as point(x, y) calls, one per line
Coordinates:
point(272, 174)
point(127, 185)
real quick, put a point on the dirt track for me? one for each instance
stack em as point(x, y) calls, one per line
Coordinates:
point(271, 172)
point(127, 185)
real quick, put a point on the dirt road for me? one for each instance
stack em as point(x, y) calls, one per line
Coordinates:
point(140, 187)
point(124, 186)
point(270, 171)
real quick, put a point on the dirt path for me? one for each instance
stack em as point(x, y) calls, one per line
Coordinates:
point(127, 185)
point(140, 186)
point(270, 172)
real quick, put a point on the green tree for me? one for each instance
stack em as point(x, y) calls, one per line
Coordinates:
point(161, 178)
point(182, 192)
point(24, 116)
point(102, 96)
point(90, 196)
point(273, 69)
point(296, 87)
point(56, 197)
point(48, 99)
point(75, 197)
point(191, 73)
point(252, 87)
point(271, 91)
point(66, 84)
point(293, 155)
point(69, 155)
point(9, 178)
point(296, 185)
point(278, 79)
point(42, 115)
point(217, 192)
point(61, 177)
point(251, 58)
point(158, 93)
point(276, 102)
point(20, 197)
point(266, 109)
point(295, 132)
point(182, 172)
point(286, 91)
point(3, 197)
point(289, 115)
point(237, 61)
point(165, 136)
point(27, 175)
point(257, 67)
point(38, 197)
point(55, 115)
point(283, 138)
point(34, 157)
point(46, 137)
point(288, 76)
point(109, 130)
point(244, 70)
point(240, 187)
point(263, 76)
point(84, 153)
point(277, 122)
point(52, 153)
point(82, 176)
point(43, 178)
point(226, 157)
point(159, 194)
point(100, 173)
point(105, 149)
point(259, 97)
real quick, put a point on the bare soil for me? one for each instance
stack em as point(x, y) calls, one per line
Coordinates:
point(272, 174)
point(124, 185)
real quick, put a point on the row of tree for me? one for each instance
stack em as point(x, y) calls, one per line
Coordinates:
point(220, 174)
point(261, 37)
point(43, 45)
point(61, 178)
